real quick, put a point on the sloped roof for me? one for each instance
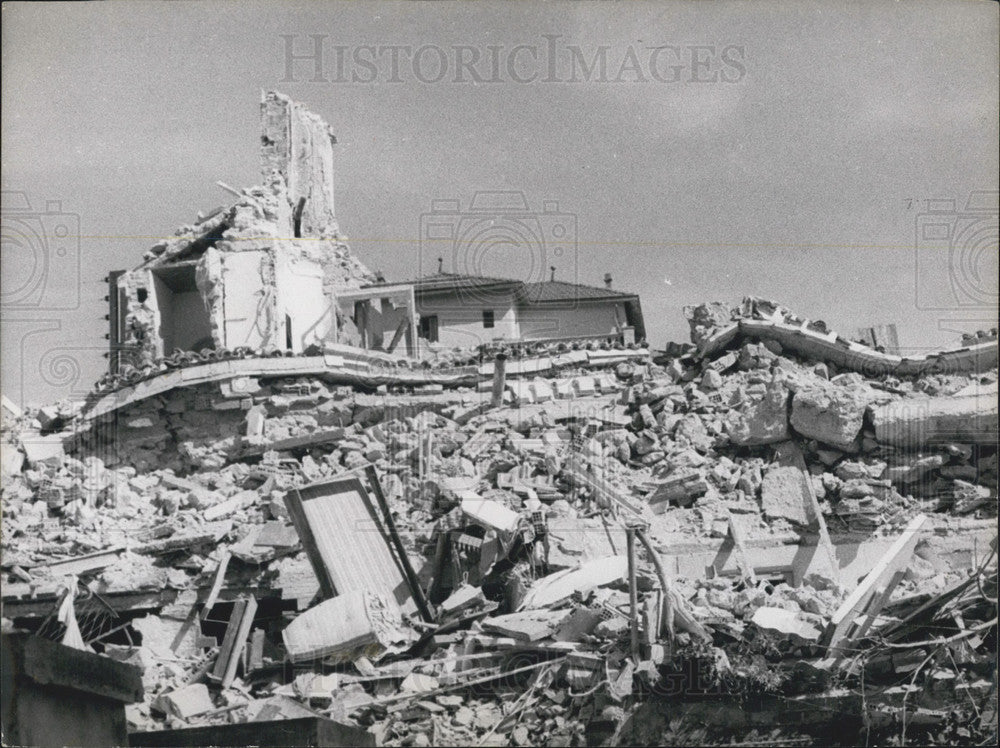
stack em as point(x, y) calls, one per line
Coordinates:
point(556, 291)
point(442, 282)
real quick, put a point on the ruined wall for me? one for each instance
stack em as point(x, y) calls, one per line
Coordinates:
point(299, 145)
point(272, 257)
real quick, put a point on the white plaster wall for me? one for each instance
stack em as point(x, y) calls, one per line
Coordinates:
point(160, 302)
point(299, 285)
point(541, 322)
point(247, 301)
point(460, 320)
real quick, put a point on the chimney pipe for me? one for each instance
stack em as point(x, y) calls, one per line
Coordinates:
point(440, 264)
point(607, 280)
point(552, 273)
point(379, 276)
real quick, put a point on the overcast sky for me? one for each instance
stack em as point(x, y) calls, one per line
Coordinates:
point(784, 150)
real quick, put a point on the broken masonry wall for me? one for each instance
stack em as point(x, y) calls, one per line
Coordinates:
point(299, 145)
point(140, 340)
point(268, 267)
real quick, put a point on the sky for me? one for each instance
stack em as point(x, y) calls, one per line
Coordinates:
point(778, 149)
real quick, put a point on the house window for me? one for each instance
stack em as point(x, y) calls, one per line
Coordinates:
point(429, 327)
point(487, 318)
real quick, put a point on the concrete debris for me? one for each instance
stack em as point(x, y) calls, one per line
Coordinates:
point(185, 703)
point(829, 414)
point(342, 628)
point(353, 544)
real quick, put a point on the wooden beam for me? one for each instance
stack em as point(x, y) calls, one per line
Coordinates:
point(411, 575)
point(234, 641)
point(400, 329)
point(840, 626)
point(633, 595)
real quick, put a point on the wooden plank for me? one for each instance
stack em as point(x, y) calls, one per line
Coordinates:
point(322, 436)
point(255, 652)
point(220, 576)
point(895, 558)
point(875, 606)
point(411, 575)
point(234, 641)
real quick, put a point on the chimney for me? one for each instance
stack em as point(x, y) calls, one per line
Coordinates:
point(379, 276)
point(440, 265)
point(607, 280)
point(552, 273)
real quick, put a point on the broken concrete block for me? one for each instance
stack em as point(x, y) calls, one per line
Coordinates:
point(43, 450)
point(11, 460)
point(463, 598)
point(490, 513)
point(419, 683)
point(577, 624)
point(787, 624)
point(256, 419)
point(526, 626)
point(186, 702)
point(832, 415)
point(231, 505)
point(914, 422)
point(682, 489)
point(560, 586)
point(343, 627)
point(711, 380)
point(764, 422)
point(783, 495)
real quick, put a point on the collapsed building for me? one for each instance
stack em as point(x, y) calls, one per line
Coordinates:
point(272, 273)
point(773, 534)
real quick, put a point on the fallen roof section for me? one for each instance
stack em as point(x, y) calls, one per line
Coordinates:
point(713, 331)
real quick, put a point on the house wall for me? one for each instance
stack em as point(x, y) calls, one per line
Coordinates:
point(299, 286)
point(460, 319)
point(190, 327)
point(538, 322)
point(248, 300)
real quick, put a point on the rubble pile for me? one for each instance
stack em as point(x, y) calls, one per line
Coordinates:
point(749, 521)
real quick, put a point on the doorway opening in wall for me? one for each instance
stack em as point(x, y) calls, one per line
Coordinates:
point(184, 320)
point(429, 328)
point(488, 320)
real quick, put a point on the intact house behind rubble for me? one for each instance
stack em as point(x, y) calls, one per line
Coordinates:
point(272, 272)
point(465, 310)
